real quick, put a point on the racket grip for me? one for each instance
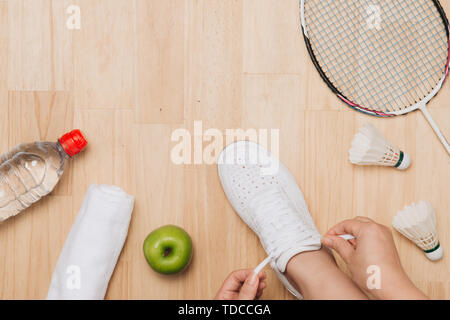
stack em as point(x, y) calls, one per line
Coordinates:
point(435, 127)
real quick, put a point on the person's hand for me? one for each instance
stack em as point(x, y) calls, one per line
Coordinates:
point(372, 254)
point(242, 285)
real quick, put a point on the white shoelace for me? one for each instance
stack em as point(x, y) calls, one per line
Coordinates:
point(263, 206)
point(275, 200)
point(266, 261)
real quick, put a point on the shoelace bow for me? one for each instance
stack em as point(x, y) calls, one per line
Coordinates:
point(275, 200)
point(286, 221)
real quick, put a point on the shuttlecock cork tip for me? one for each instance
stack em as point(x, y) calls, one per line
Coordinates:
point(404, 162)
point(436, 254)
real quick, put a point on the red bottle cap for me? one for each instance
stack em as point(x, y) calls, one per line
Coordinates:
point(73, 142)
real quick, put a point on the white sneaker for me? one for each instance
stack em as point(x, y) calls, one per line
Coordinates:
point(272, 205)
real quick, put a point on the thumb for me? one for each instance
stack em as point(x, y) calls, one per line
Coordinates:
point(249, 288)
point(341, 246)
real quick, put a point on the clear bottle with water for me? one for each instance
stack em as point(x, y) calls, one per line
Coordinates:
point(31, 171)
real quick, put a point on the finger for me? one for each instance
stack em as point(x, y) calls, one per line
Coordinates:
point(259, 293)
point(262, 285)
point(234, 281)
point(341, 246)
point(242, 275)
point(249, 288)
point(363, 219)
point(262, 276)
point(352, 227)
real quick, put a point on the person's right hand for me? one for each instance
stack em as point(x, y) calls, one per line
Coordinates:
point(373, 249)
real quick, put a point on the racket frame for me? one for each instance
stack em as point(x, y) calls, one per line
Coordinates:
point(420, 105)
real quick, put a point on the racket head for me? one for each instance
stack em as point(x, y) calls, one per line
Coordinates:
point(382, 58)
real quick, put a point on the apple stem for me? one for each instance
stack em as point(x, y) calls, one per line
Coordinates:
point(167, 251)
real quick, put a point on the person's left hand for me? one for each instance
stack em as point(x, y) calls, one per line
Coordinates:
point(242, 285)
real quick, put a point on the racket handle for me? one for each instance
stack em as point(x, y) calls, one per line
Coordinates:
point(435, 127)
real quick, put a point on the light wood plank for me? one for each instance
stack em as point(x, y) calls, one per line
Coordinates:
point(40, 46)
point(446, 6)
point(267, 24)
point(104, 55)
point(160, 61)
point(214, 55)
point(4, 35)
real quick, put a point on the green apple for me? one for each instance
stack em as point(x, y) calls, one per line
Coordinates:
point(168, 249)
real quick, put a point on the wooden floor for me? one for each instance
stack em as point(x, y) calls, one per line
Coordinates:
point(139, 69)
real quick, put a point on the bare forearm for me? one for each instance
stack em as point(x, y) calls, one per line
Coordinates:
point(317, 276)
point(397, 287)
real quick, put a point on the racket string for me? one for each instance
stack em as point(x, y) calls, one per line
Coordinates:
point(353, 40)
point(392, 85)
point(392, 77)
point(373, 68)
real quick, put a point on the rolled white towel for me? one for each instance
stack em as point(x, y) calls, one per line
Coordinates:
point(93, 246)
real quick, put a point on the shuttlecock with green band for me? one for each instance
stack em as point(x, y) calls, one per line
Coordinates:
point(370, 147)
point(417, 222)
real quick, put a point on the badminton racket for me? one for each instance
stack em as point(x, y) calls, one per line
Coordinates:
point(381, 57)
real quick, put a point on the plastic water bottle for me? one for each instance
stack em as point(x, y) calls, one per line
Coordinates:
point(31, 171)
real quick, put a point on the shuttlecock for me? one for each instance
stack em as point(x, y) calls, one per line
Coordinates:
point(369, 147)
point(417, 222)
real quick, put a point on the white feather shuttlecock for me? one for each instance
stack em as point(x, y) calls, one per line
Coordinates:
point(369, 147)
point(417, 222)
